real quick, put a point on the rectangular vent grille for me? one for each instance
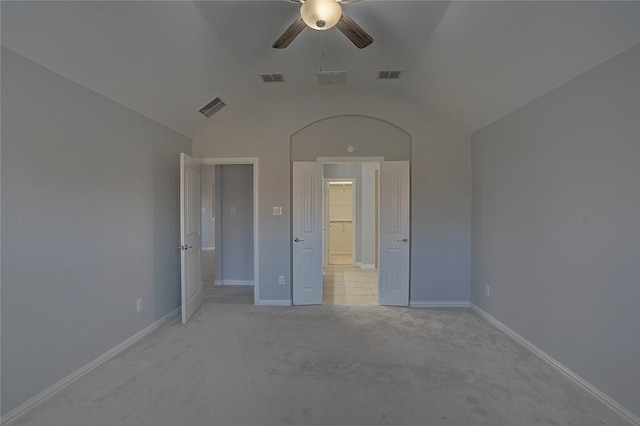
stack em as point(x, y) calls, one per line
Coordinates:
point(272, 78)
point(212, 107)
point(332, 78)
point(389, 75)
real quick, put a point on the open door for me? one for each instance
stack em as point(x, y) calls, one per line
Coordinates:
point(190, 236)
point(307, 233)
point(394, 233)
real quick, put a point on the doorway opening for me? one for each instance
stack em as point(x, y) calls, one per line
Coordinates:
point(227, 233)
point(350, 211)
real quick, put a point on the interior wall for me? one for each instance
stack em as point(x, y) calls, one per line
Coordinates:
point(208, 216)
point(234, 256)
point(350, 171)
point(556, 225)
point(367, 218)
point(440, 203)
point(90, 224)
point(341, 211)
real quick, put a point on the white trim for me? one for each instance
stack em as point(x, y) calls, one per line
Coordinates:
point(22, 409)
point(340, 253)
point(615, 406)
point(230, 160)
point(365, 265)
point(256, 212)
point(274, 303)
point(349, 159)
point(233, 282)
point(208, 248)
point(452, 304)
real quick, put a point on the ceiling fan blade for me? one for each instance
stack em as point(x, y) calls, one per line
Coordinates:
point(354, 32)
point(289, 34)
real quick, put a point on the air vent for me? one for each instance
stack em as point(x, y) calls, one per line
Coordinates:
point(212, 107)
point(272, 78)
point(389, 75)
point(332, 78)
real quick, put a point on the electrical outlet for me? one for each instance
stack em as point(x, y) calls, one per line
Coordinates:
point(139, 305)
point(281, 280)
point(487, 290)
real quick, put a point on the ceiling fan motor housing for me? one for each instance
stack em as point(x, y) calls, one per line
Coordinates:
point(321, 14)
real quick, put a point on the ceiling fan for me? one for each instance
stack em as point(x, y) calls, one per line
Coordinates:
point(322, 15)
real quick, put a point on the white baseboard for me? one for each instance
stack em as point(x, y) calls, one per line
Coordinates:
point(19, 411)
point(453, 304)
point(208, 248)
point(366, 266)
point(274, 303)
point(606, 399)
point(233, 282)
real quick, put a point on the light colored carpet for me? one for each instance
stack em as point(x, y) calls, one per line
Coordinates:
point(237, 364)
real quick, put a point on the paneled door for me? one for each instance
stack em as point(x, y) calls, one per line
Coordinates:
point(307, 233)
point(394, 233)
point(190, 236)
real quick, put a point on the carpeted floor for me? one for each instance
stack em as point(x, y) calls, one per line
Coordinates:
point(239, 364)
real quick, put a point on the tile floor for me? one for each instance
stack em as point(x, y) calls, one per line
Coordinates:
point(345, 284)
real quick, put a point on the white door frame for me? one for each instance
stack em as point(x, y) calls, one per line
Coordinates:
point(326, 241)
point(254, 162)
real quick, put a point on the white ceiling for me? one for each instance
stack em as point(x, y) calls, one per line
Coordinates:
point(470, 62)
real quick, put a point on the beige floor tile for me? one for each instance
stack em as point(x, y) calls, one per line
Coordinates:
point(357, 284)
point(359, 291)
point(355, 276)
point(334, 299)
point(361, 300)
point(333, 290)
point(333, 268)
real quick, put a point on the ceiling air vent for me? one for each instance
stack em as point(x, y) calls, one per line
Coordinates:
point(332, 78)
point(212, 107)
point(389, 75)
point(272, 78)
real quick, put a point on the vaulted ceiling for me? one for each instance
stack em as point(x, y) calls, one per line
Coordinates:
point(470, 62)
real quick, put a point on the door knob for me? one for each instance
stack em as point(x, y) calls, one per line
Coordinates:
point(404, 240)
point(297, 240)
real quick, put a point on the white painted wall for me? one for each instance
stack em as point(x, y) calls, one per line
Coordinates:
point(556, 225)
point(440, 238)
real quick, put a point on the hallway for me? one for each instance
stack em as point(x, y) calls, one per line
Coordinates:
point(349, 285)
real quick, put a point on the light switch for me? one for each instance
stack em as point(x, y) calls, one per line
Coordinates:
point(233, 209)
point(277, 211)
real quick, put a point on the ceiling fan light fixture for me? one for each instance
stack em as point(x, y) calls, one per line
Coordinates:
point(321, 14)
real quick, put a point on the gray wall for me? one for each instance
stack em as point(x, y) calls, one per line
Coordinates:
point(556, 225)
point(440, 174)
point(234, 230)
point(208, 216)
point(89, 225)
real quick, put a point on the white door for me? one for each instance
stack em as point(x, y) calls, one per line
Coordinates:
point(307, 233)
point(190, 236)
point(394, 233)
